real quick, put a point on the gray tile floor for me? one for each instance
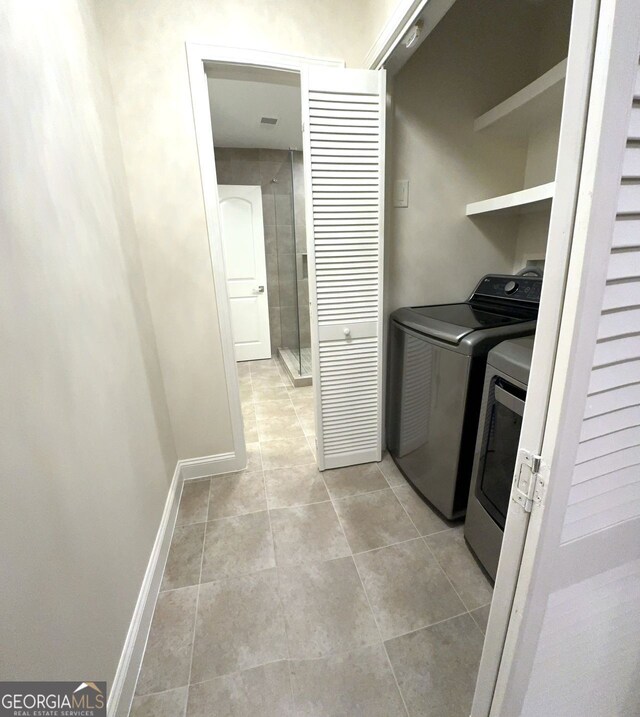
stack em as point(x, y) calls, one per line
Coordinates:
point(293, 592)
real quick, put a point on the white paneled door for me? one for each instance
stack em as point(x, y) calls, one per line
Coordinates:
point(242, 232)
point(344, 113)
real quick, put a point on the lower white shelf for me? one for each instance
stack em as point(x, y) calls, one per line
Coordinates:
point(526, 200)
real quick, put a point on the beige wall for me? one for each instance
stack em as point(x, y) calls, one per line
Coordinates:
point(145, 45)
point(85, 445)
point(379, 13)
point(434, 253)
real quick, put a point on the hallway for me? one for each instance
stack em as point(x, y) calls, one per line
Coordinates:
point(293, 592)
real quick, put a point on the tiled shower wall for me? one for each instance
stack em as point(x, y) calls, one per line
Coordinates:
point(283, 210)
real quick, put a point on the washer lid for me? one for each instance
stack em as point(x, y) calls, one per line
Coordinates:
point(513, 358)
point(452, 322)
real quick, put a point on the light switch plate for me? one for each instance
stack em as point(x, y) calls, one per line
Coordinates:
point(401, 193)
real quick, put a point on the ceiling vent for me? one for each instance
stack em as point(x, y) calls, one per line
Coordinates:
point(269, 120)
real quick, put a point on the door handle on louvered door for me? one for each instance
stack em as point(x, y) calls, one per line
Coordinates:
point(259, 289)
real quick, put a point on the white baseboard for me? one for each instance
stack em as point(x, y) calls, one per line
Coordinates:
point(204, 466)
point(124, 682)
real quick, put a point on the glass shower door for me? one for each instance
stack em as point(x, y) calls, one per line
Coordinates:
point(295, 349)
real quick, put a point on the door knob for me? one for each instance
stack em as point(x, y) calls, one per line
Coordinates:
point(260, 290)
point(347, 332)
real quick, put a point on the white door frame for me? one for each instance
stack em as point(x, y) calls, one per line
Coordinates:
point(197, 55)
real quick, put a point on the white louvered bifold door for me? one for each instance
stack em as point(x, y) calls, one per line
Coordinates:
point(573, 645)
point(344, 178)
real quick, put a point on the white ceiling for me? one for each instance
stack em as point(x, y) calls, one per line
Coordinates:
point(239, 98)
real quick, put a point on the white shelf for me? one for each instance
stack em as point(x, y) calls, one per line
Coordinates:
point(520, 113)
point(527, 200)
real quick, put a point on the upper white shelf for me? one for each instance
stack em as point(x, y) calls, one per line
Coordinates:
point(520, 113)
point(522, 202)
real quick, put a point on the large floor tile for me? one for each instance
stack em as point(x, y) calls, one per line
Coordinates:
point(286, 379)
point(308, 423)
point(455, 557)
point(250, 429)
point(237, 546)
point(391, 471)
point(264, 691)
point(236, 493)
point(426, 520)
point(302, 393)
point(193, 502)
point(311, 442)
point(353, 480)
point(437, 666)
point(163, 704)
point(185, 556)
point(254, 458)
point(168, 651)
point(271, 379)
point(481, 616)
point(279, 428)
point(249, 410)
point(309, 428)
point(348, 685)
point(246, 392)
point(305, 411)
point(407, 589)
point(374, 520)
point(268, 410)
point(262, 366)
point(239, 625)
point(281, 454)
point(243, 368)
point(297, 485)
point(302, 401)
point(325, 609)
point(307, 533)
point(265, 394)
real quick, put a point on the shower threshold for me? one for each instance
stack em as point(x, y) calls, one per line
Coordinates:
point(289, 360)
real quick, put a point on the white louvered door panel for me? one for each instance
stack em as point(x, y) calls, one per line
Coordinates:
point(573, 643)
point(344, 176)
point(606, 482)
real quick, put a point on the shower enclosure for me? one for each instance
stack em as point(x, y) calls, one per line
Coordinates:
point(294, 348)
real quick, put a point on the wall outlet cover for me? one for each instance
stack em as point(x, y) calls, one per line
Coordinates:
point(401, 193)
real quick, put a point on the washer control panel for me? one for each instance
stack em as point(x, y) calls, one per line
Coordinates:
point(520, 288)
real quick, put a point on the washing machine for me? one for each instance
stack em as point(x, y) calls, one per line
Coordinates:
point(505, 391)
point(436, 363)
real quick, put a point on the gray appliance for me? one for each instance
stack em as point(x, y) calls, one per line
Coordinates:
point(505, 390)
point(437, 356)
